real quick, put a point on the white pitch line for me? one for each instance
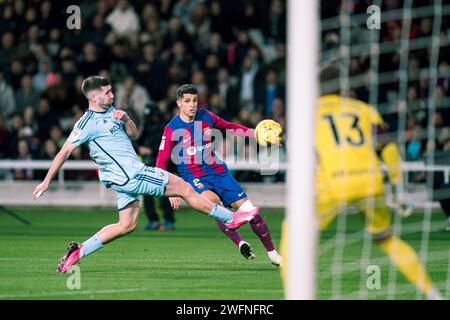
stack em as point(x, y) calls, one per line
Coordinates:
point(358, 236)
point(219, 290)
point(382, 261)
point(400, 289)
point(75, 292)
point(135, 260)
point(62, 293)
point(25, 259)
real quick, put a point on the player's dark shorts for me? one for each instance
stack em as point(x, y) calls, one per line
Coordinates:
point(223, 184)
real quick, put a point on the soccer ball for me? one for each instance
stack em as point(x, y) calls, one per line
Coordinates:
point(268, 132)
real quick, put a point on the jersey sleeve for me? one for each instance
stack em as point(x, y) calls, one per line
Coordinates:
point(222, 124)
point(375, 117)
point(165, 149)
point(389, 150)
point(82, 132)
point(380, 128)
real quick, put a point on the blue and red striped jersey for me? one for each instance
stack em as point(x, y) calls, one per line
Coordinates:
point(190, 145)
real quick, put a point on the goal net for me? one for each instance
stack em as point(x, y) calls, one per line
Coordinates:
point(393, 55)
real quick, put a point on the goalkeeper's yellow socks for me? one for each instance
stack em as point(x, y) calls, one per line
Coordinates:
point(405, 259)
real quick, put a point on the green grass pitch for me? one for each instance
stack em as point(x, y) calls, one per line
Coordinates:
point(194, 262)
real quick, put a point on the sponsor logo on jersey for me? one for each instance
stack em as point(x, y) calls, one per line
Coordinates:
point(114, 128)
point(193, 150)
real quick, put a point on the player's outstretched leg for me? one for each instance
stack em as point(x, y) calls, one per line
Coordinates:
point(244, 247)
point(177, 187)
point(405, 259)
point(128, 218)
point(246, 250)
point(261, 229)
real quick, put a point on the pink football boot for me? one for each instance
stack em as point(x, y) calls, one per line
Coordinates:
point(242, 217)
point(70, 258)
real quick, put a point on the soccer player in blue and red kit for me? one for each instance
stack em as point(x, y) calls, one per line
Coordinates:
point(187, 141)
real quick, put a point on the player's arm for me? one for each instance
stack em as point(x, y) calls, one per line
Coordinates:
point(390, 155)
point(164, 153)
point(386, 146)
point(165, 149)
point(237, 129)
point(57, 163)
point(130, 127)
point(388, 149)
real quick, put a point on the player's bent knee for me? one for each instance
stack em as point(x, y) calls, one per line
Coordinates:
point(211, 196)
point(244, 205)
point(186, 190)
point(128, 219)
point(176, 187)
point(127, 227)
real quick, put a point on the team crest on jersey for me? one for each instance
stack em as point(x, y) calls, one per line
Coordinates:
point(207, 131)
point(75, 133)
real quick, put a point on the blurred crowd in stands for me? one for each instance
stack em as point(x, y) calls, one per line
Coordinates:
point(424, 118)
point(232, 50)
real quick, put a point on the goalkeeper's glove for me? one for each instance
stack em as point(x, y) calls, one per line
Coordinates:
point(403, 205)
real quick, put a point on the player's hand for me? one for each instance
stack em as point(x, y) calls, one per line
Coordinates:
point(121, 116)
point(403, 205)
point(175, 202)
point(145, 151)
point(39, 190)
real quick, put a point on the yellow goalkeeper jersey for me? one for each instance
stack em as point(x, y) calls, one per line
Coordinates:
point(348, 166)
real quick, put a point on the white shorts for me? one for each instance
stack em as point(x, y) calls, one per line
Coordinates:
point(149, 181)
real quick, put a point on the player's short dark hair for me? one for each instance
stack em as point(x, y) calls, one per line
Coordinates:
point(186, 89)
point(329, 79)
point(94, 83)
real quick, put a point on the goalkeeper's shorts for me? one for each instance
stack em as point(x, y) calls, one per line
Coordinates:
point(373, 210)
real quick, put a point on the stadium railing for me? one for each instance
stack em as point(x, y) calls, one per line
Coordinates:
point(65, 192)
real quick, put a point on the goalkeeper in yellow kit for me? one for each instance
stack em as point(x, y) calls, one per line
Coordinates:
point(349, 175)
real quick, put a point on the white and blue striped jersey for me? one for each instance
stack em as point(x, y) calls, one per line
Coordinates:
point(109, 146)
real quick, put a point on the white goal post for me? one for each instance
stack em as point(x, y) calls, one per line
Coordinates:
point(303, 51)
